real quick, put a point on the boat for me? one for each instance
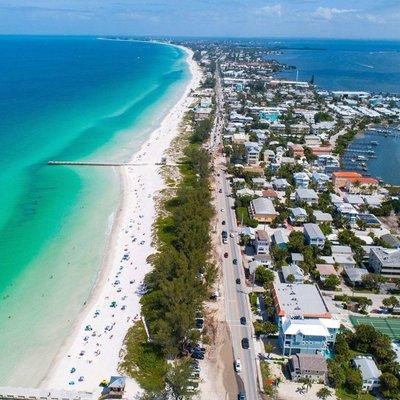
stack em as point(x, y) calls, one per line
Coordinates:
point(374, 143)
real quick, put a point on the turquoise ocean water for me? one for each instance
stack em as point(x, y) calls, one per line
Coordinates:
point(66, 98)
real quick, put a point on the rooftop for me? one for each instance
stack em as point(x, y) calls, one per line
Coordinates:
point(306, 194)
point(263, 206)
point(313, 231)
point(367, 367)
point(309, 362)
point(326, 269)
point(299, 300)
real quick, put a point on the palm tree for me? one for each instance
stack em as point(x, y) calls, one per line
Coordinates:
point(324, 393)
point(307, 383)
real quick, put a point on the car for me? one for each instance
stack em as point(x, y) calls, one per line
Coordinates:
point(223, 222)
point(225, 255)
point(238, 281)
point(235, 261)
point(220, 190)
point(222, 210)
point(243, 320)
point(245, 343)
point(238, 365)
point(241, 396)
point(231, 235)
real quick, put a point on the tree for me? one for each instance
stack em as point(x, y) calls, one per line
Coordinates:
point(390, 386)
point(336, 374)
point(353, 380)
point(296, 242)
point(264, 276)
point(372, 281)
point(342, 349)
point(324, 393)
point(178, 379)
point(331, 282)
point(290, 278)
point(307, 383)
point(391, 302)
point(269, 348)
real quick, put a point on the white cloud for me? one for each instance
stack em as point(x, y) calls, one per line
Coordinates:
point(272, 10)
point(329, 13)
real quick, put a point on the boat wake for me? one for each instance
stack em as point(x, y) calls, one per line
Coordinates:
point(366, 65)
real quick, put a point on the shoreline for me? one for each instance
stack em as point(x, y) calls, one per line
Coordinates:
point(77, 350)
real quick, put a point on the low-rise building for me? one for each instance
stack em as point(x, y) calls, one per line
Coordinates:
point(385, 262)
point(252, 150)
point(262, 242)
point(322, 216)
point(301, 180)
point(325, 270)
point(348, 212)
point(354, 276)
point(308, 196)
point(262, 210)
point(369, 372)
point(298, 216)
point(314, 236)
point(292, 274)
point(308, 366)
point(320, 179)
point(280, 239)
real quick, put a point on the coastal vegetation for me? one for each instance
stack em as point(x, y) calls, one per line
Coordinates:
point(181, 277)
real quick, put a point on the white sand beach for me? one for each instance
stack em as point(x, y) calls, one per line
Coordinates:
point(92, 352)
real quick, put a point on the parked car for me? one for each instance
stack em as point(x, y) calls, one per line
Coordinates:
point(243, 320)
point(235, 261)
point(245, 343)
point(238, 281)
point(220, 190)
point(238, 365)
point(226, 255)
point(241, 396)
point(223, 222)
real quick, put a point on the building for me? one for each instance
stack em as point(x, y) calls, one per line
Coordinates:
point(304, 322)
point(369, 372)
point(354, 276)
point(348, 212)
point(352, 181)
point(308, 366)
point(298, 150)
point(312, 140)
point(297, 258)
point(262, 210)
point(294, 271)
point(201, 113)
point(308, 196)
point(322, 216)
point(261, 242)
point(320, 179)
point(301, 180)
point(391, 241)
point(325, 270)
point(314, 236)
point(280, 239)
point(385, 261)
point(298, 216)
point(252, 150)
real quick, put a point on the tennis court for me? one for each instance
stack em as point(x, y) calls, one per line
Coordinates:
point(388, 326)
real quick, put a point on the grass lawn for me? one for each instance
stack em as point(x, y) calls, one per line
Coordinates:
point(343, 395)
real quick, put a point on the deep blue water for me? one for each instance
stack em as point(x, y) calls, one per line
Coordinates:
point(371, 65)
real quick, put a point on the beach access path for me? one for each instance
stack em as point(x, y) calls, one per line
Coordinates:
point(92, 352)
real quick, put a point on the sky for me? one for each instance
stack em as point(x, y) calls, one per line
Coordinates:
point(227, 18)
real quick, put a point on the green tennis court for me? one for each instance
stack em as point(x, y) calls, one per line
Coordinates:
point(388, 326)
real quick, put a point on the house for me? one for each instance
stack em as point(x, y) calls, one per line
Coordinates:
point(304, 321)
point(280, 184)
point(344, 260)
point(301, 180)
point(259, 182)
point(298, 216)
point(322, 216)
point(115, 388)
point(385, 262)
point(297, 258)
point(312, 140)
point(340, 178)
point(269, 156)
point(269, 194)
point(308, 366)
point(314, 236)
point(308, 196)
point(353, 199)
point(262, 210)
point(201, 113)
point(294, 271)
point(252, 151)
point(353, 181)
point(262, 242)
point(348, 212)
point(354, 276)
point(369, 372)
point(325, 270)
point(280, 239)
point(391, 241)
point(339, 249)
point(297, 149)
point(321, 150)
point(320, 179)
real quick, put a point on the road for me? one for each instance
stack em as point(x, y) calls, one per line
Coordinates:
point(236, 297)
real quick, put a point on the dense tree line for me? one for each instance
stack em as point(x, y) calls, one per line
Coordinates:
point(182, 274)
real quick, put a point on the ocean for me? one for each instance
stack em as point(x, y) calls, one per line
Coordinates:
point(66, 98)
point(338, 64)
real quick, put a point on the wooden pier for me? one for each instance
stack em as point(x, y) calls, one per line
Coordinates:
point(105, 164)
